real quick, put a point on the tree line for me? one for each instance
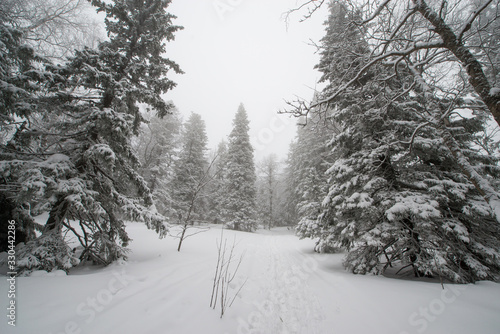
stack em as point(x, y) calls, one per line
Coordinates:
point(88, 137)
point(192, 185)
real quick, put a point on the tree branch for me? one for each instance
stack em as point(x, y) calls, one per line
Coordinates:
point(469, 22)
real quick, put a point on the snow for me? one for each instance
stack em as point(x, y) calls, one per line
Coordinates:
point(494, 91)
point(102, 150)
point(414, 205)
point(290, 289)
point(57, 158)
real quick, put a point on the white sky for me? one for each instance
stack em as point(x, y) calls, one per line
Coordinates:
point(236, 51)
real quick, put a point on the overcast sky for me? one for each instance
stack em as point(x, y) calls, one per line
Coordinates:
point(241, 51)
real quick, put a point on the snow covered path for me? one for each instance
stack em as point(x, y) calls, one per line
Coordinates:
point(285, 303)
point(289, 289)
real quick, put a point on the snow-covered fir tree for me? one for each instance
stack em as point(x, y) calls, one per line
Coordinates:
point(189, 173)
point(239, 202)
point(19, 85)
point(69, 151)
point(398, 194)
point(290, 215)
point(308, 160)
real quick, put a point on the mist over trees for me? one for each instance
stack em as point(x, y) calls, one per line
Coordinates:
point(218, 185)
point(157, 147)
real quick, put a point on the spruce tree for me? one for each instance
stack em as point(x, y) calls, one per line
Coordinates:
point(69, 152)
point(190, 172)
point(216, 188)
point(239, 203)
point(398, 196)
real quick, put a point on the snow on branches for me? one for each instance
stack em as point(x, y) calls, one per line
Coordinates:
point(407, 188)
point(68, 147)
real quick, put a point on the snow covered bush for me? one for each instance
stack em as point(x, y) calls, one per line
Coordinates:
point(48, 252)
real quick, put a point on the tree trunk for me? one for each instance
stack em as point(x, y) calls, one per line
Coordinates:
point(56, 215)
point(477, 78)
point(182, 236)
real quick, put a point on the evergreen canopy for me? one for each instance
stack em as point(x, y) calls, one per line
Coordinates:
point(69, 149)
point(239, 203)
point(400, 188)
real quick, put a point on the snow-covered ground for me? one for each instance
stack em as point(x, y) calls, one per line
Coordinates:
point(288, 289)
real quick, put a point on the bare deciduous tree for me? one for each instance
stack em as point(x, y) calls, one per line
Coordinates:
point(224, 275)
point(429, 36)
point(310, 7)
point(55, 28)
point(195, 194)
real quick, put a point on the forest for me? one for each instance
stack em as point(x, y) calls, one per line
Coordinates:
point(394, 166)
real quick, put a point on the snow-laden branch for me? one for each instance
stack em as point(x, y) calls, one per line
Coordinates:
point(316, 4)
point(398, 28)
point(476, 75)
point(469, 22)
point(376, 13)
point(376, 60)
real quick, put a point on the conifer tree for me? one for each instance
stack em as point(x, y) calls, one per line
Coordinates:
point(398, 195)
point(69, 152)
point(189, 172)
point(268, 198)
point(19, 85)
point(310, 158)
point(216, 188)
point(291, 198)
point(239, 203)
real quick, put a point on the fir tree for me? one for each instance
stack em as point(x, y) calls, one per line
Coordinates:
point(291, 198)
point(398, 195)
point(216, 188)
point(268, 198)
point(239, 203)
point(19, 85)
point(69, 152)
point(310, 158)
point(189, 172)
